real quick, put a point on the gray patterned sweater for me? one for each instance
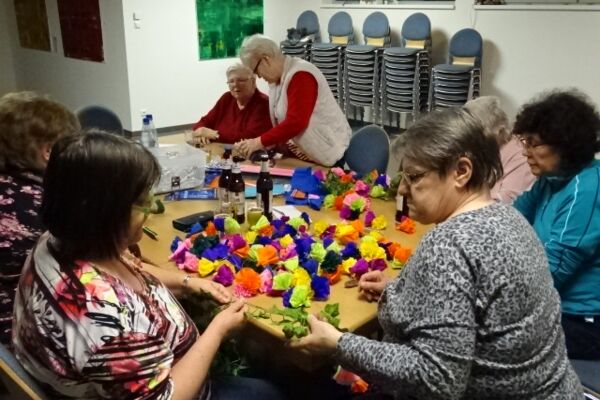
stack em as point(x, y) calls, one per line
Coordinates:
point(473, 315)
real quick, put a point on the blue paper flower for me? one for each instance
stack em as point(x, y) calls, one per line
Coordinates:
point(218, 252)
point(303, 245)
point(320, 287)
point(220, 224)
point(197, 227)
point(235, 260)
point(327, 241)
point(175, 243)
point(286, 297)
point(263, 240)
point(305, 217)
point(351, 250)
point(311, 265)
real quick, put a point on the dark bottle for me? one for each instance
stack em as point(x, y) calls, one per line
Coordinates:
point(223, 191)
point(264, 187)
point(401, 208)
point(237, 188)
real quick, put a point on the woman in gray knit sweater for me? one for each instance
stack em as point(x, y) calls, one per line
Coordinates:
point(474, 313)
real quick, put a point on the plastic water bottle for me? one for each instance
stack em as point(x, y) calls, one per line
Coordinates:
point(146, 138)
point(153, 131)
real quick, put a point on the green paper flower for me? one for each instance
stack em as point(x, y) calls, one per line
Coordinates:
point(282, 281)
point(317, 251)
point(231, 226)
point(301, 296)
point(291, 264)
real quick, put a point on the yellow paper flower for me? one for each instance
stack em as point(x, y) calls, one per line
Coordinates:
point(347, 264)
point(319, 227)
point(369, 249)
point(378, 236)
point(261, 223)
point(334, 247)
point(286, 240)
point(301, 277)
point(380, 222)
point(205, 267)
point(250, 237)
point(346, 233)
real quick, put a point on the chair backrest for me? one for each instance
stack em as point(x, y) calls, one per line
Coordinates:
point(465, 47)
point(18, 382)
point(309, 21)
point(339, 27)
point(588, 372)
point(376, 27)
point(100, 118)
point(416, 31)
point(369, 149)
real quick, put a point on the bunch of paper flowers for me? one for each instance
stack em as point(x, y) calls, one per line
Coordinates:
point(287, 257)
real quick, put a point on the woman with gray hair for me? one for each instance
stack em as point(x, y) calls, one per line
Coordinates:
point(302, 107)
point(517, 176)
point(473, 314)
point(241, 113)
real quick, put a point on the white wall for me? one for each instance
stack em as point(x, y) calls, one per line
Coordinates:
point(165, 75)
point(525, 52)
point(77, 83)
point(7, 70)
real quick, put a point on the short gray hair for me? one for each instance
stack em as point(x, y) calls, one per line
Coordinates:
point(438, 140)
point(494, 120)
point(239, 67)
point(256, 46)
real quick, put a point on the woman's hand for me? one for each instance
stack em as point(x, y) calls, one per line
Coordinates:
point(218, 291)
point(371, 285)
point(322, 339)
point(201, 136)
point(230, 319)
point(247, 147)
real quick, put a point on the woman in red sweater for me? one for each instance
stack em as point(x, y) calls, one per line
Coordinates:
point(241, 113)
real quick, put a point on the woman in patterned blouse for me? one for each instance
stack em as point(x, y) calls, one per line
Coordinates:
point(29, 126)
point(473, 314)
point(89, 322)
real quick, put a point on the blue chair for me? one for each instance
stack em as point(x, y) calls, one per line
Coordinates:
point(369, 149)
point(459, 80)
point(406, 70)
point(588, 372)
point(18, 382)
point(98, 117)
point(328, 57)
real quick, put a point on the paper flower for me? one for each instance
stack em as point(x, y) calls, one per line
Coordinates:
point(337, 171)
point(328, 201)
point(266, 281)
point(369, 217)
point(175, 244)
point(283, 281)
point(370, 249)
point(220, 224)
point(190, 263)
point(231, 226)
point(205, 267)
point(378, 264)
point(361, 267)
point(301, 295)
point(347, 264)
point(311, 266)
point(319, 174)
point(317, 251)
point(241, 291)
point(286, 240)
point(320, 287)
point(202, 243)
point(334, 276)
point(380, 222)
point(288, 252)
point(331, 262)
point(210, 229)
point(407, 225)
point(291, 264)
point(250, 237)
point(301, 277)
point(361, 188)
point(249, 280)
point(350, 250)
point(333, 246)
point(215, 253)
point(383, 180)
point(224, 275)
point(346, 233)
point(179, 254)
point(377, 191)
point(267, 255)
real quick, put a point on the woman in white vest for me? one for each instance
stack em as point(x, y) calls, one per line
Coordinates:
point(301, 105)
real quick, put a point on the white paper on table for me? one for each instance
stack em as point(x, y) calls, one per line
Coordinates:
point(290, 211)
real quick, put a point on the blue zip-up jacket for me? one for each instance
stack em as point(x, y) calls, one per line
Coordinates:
point(565, 213)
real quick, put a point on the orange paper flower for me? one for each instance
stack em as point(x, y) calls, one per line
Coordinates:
point(242, 251)
point(338, 203)
point(347, 178)
point(266, 230)
point(267, 255)
point(359, 386)
point(358, 225)
point(407, 226)
point(335, 276)
point(403, 254)
point(210, 229)
point(249, 279)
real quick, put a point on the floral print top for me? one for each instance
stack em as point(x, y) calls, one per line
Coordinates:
point(83, 333)
point(20, 228)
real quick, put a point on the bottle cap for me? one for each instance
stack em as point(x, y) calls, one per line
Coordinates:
point(149, 116)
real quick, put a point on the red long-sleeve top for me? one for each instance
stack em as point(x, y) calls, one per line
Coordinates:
point(234, 124)
point(302, 94)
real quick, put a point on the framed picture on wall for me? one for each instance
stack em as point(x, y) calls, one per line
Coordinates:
point(223, 24)
point(81, 29)
point(32, 24)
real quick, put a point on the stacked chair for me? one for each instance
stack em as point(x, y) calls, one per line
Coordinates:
point(362, 66)
point(406, 70)
point(329, 57)
point(458, 81)
point(308, 23)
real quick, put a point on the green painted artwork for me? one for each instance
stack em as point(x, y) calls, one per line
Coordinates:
point(223, 25)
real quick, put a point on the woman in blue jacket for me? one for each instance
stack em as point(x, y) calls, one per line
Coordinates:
point(560, 135)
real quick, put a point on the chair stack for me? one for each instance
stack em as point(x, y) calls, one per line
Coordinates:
point(458, 81)
point(329, 57)
point(406, 70)
point(308, 23)
point(362, 66)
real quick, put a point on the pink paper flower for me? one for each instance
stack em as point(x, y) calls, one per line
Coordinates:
point(266, 281)
point(337, 171)
point(190, 263)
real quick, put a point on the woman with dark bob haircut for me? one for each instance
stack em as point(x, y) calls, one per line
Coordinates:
point(88, 321)
point(473, 313)
point(560, 132)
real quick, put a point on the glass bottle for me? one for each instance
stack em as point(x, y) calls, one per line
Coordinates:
point(237, 189)
point(223, 191)
point(264, 187)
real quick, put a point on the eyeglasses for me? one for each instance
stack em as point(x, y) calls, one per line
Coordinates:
point(257, 64)
point(232, 82)
point(152, 205)
point(413, 178)
point(527, 143)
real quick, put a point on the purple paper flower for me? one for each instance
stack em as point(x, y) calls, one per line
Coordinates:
point(369, 217)
point(277, 224)
point(288, 252)
point(311, 265)
point(345, 212)
point(224, 276)
point(303, 245)
point(320, 286)
point(319, 175)
point(361, 188)
point(361, 267)
point(236, 242)
point(351, 250)
point(217, 252)
point(378, 264)
point(219, 224)
point(286, 297)
point(263, 240)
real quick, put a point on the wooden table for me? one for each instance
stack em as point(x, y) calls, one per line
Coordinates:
point(356, 314)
